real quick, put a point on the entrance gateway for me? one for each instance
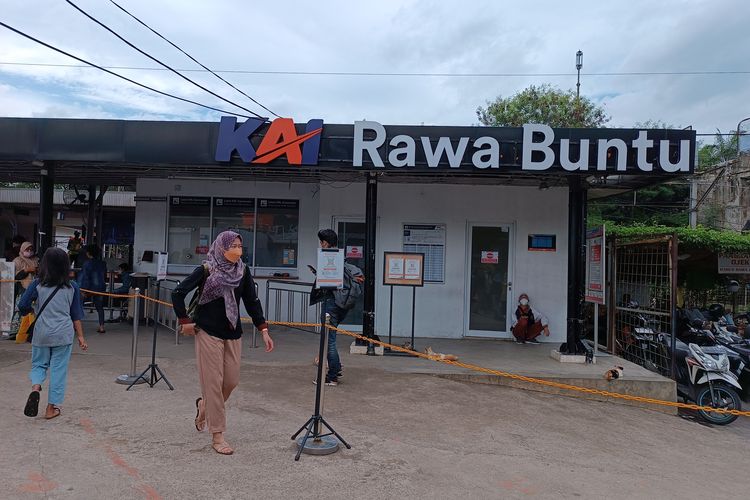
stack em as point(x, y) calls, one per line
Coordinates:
point(474, 181)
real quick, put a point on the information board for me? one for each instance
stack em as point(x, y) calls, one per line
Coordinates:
point(403, 269)
point(736, 263)
point(427, 239)
point(595, 266)
point(330, 272)
point(161, 266)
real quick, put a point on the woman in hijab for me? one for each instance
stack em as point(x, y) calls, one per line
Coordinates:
point(27, 260)
point(222, 281)
point(26, 267)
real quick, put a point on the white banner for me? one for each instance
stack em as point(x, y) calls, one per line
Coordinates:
point(737, 263)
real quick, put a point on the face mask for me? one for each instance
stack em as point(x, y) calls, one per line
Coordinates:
point(28, 254)
point(524, 302)
point(233, 255)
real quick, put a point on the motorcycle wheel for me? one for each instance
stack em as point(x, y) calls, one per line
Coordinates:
point(729, 400)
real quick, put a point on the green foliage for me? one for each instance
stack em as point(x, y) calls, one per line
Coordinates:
point(543, 104)
point(662, 205)
point(723, 149)
point(699, 237)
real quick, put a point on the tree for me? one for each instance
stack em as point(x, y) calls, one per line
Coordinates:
point(543, 104)
point(720, 151)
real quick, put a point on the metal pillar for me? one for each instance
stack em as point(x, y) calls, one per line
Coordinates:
point(91, 219)
point(371, 217)
point(576, 262)
point(46, 208)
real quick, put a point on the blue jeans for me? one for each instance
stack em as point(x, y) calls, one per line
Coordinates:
point(55, 360)
point(337, 316)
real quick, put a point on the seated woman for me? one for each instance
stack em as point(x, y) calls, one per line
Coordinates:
point(528, 324)
point(125, 278)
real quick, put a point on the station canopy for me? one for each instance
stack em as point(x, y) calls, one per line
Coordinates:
point(117, 152)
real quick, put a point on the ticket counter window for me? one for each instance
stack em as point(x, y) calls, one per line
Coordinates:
point(189, 229)
point(238, 215)
point(277, 234)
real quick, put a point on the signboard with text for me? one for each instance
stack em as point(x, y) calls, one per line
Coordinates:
point(736, 263)
point(595, 266)
point(403, 269)
point(330, 272)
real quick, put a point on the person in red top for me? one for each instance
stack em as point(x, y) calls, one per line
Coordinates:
point(528, 323)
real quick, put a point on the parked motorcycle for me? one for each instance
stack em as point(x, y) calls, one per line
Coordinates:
point(704, 377)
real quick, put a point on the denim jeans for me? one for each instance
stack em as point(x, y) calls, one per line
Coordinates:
point(337, 316)
point(55, 361)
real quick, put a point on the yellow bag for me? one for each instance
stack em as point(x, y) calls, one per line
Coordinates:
point(26, 322)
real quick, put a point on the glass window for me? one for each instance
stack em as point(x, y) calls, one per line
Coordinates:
point(238, 215)
point(352, 240)
point(189, 229)
point(277, 233)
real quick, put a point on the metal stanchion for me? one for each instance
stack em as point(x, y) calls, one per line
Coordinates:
point(156, 374)
point(132, 376)
point(313, 442)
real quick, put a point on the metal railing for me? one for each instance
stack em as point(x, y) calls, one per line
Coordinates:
point(288, 300)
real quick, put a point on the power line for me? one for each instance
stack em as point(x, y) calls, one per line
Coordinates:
point(166, 94)
point(92, 18)
point(191, 57)
point(384, 74)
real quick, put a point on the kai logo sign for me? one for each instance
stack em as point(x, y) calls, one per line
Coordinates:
point(280, 139)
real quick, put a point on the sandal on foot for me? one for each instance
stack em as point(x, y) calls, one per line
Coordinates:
point(32, 405)
point(200, 424)
point(55, 413)
point(100, 330)
point(222, 448)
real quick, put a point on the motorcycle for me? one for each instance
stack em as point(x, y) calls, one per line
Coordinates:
point(704, 377)
point(740, 347)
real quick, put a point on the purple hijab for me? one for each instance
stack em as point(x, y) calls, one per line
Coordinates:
point(224, 276)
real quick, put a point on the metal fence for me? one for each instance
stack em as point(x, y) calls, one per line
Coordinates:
point(738, 302)
point(644, 291)
point(288, 300)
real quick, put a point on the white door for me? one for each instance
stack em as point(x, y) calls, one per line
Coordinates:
point(489, 280)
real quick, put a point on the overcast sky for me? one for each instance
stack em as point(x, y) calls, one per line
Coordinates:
point(422, 36)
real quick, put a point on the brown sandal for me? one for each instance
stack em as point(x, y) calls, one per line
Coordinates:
point(222, 448)
point(55, 413)
point(200, 424)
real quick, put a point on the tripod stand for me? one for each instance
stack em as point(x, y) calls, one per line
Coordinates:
point(313, 427)
point(153, 379)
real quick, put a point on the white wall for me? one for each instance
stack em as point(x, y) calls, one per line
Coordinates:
point(440, 310)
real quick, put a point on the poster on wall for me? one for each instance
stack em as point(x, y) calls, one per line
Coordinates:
point(490, 256)
point(427, 239)
point(595, 266)
point(330, 272)
point(355, 251)
point(403, 269)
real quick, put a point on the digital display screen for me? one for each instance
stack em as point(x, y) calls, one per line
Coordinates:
point(543, 242)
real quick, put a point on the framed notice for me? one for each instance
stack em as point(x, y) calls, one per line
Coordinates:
point(330, 272)
point(595, 265)
point(161, 266)
point(427, 239)
point(403, 269)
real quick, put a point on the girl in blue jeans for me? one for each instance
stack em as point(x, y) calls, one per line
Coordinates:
point(55, 326)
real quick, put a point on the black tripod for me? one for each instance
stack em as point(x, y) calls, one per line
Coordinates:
point(153, 379)
point(313, 425)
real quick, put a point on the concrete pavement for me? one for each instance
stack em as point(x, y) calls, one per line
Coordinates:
point(413, 436)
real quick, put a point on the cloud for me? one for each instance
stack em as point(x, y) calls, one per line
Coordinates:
point(386, 37)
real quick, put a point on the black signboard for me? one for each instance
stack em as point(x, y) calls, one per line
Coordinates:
point(192, 201)
point(235, 202)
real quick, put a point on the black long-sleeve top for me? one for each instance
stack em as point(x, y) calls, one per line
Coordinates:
point(212, 317)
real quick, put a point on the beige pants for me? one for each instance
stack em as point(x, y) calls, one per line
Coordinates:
point(219, 371)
